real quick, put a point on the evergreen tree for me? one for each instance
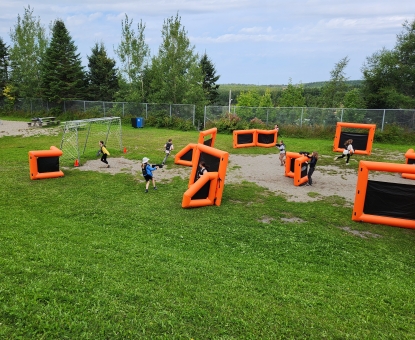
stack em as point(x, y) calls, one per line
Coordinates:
point(102, 75)
point(63, 76)
point(29, 43)
point(4, 66)
point(176, 75)
point(209, 81)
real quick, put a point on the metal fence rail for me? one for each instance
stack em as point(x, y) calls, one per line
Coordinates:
point(108, 109)
point(301, 116)
point(310, 116)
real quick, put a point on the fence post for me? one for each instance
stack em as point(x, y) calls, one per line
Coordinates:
point(341, 116)
point(194, 114)
point(170, 110)
point(103, 106)
point(301, 118)
point(383, 119)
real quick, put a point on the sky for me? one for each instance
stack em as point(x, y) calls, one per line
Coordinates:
point(268, 42)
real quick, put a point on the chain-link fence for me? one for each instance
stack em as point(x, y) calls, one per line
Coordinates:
point(38, 106)
point(303, 116)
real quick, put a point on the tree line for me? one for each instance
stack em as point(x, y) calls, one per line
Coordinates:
point(35, 66)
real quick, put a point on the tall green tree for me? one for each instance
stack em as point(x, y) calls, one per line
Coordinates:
point(133, 53)
point(250, 98)
point(102, 75)
point(333, 92)
point(176, 75)
point(209, 80)
point(292, 96)
point(63, 76)
point(389, 75)
point(4, 66)
point(29, 43)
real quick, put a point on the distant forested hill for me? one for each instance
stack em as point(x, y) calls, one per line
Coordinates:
point(311, 91)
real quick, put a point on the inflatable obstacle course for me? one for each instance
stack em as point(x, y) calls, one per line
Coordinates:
point(208, 189)
point(208, 133)
point(45, 163)
point(362, 142)
point(409, 159)
point(185, 155)
point(296, 167)
point(386, 203)
point(254, 137)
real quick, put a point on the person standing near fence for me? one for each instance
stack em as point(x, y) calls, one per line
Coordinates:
point(168, 148)
point(348, 151)
point(103, 150)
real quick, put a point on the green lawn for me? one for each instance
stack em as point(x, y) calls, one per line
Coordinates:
point(90, 256)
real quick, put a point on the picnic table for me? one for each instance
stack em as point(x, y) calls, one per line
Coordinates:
point(40, 121)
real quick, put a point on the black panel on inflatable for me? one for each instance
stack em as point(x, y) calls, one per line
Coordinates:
point(265, 138)
point(187, 156)
point(359, 140)
point(203, 193)
point(390, 199)
point(47, 164)
point(292, 165)
point(208, 142)
point(245, 138)
point(212, 163)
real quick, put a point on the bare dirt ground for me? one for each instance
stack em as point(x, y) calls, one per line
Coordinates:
point(264, 170)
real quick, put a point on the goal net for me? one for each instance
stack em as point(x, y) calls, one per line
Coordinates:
point(83, 135)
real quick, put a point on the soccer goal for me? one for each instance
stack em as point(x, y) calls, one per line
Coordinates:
point(81, 135)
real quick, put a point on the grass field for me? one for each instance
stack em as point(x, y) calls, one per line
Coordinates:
point(90, 256)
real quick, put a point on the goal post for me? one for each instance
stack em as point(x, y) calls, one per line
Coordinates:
point(82, 135)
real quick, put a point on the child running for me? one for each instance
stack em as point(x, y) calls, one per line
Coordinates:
point(168, 149)
point(103, 150)
point(147, 170)
point(348, 151)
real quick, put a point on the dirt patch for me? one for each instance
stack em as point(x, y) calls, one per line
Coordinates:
point(361, 234)
point(11, 128)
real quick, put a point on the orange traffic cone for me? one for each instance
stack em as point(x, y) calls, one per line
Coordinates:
point(76, 163)
point(125, 149)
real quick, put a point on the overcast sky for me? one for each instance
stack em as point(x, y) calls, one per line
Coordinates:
point(249, 41)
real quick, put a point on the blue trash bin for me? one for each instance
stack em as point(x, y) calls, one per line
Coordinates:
point(137, 122)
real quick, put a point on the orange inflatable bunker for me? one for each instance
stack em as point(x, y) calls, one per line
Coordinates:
point(362, 142)
point(266, 138)
point(254, 137)
point(244, 138)
point(185, 155)
point(409, 159)
point(296, 167)
point(210, 141)
point(45, 163)
point(208, 189)
point(386, 203)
